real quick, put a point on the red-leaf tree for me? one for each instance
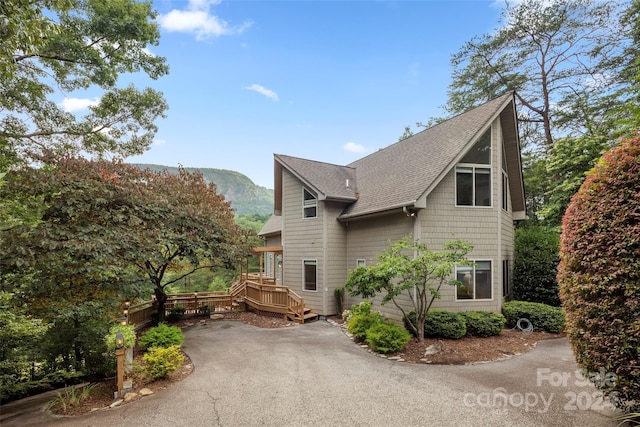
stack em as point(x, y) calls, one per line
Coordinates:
point(105, 220)
point(599, 273)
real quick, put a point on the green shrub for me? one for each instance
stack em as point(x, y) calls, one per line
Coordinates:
point(359, 323)
point(599, 272)
point(205, 310)
point(161, 336)
point(536, 265)
point(445, 324)
point(175, 314)
point(483, 323)
point(161, 362)
point(543, 317)
point(386, 337)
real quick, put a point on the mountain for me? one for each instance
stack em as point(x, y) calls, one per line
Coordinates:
point(245, 196)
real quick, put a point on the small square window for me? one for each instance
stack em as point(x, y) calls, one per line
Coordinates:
point(361, 262)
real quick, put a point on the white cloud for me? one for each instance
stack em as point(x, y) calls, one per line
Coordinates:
point(197, 19)
point(352, 147)
point(263, 91)
point(159, 141)
point(76, 104)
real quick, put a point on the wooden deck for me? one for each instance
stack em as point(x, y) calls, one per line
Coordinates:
point(250, 292)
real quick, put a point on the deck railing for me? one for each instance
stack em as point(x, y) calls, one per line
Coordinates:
point(274, 298)
point(260, 292)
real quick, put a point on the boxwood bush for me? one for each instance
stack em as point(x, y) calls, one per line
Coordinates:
point(441, 323)
point(543, 317)
point(483, 323)
point(599, 272)
point(387, 337)
point(161, 336)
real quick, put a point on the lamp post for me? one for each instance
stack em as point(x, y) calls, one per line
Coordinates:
point(120, 361)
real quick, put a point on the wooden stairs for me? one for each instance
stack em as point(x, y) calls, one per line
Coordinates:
point(270, 299)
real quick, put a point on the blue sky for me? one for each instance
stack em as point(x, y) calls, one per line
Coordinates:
point(324, 80)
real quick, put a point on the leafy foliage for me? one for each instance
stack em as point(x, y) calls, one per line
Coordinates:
point(445, 324)
point(387, 337)
point(161, 362)
point(128, 333)
point(483, 323)
point(543, 317)
point(599, 271)
point(252, 203)
point(362, 319)
point(398, 271)
point(535, 264)
point(161, 336)
point(78, 45)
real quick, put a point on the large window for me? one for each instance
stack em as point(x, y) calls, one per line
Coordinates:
point(473, 186)
point(309, 204)
point(476, 281)
point(473, 177)
point(310, 275)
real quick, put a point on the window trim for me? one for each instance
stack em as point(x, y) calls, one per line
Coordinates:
point(304, 274)
point(506, 278)
point(473, 168)
point(491, 283)
point(309, 203)
point(361, 262)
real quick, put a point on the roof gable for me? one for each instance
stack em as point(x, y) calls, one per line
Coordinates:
point(401, 174)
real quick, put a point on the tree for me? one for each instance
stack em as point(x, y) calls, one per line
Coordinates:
point(107, 225)
point(412, 269)
point(599, 273)
point(535, 265)
point(62, 46)
point(551, 54)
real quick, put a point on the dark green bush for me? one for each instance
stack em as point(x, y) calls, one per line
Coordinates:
point(543, 317)
point(536, 265)
point(175, 314)
point(445, 324)
point(205, 310)
point(161, 362)
point(599, 272)
point(483, 323)
point(161, 336)
point(386, 337)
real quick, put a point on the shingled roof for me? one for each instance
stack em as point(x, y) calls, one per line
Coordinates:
point(399, 175)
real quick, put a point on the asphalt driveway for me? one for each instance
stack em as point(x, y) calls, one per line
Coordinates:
point(313, 375)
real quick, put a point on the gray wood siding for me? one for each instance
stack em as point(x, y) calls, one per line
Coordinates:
point(301, 240)
point(335, 254)
point(366, 238)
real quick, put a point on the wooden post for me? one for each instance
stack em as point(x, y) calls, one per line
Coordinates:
point(260, 267)
point(120, 359)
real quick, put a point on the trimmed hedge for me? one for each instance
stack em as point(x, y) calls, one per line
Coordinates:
point(387, 337)
point(543, 317)
point(599, 272)
point(161, 336)
point(440, 323)
point(483, 323)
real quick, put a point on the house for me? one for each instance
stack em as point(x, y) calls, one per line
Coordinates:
point(460, 178)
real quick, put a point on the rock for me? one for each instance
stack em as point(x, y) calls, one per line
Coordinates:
point(116, 403)
point(216, 316)
point(432, 349)
point(146, 392)
point(130, 396)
